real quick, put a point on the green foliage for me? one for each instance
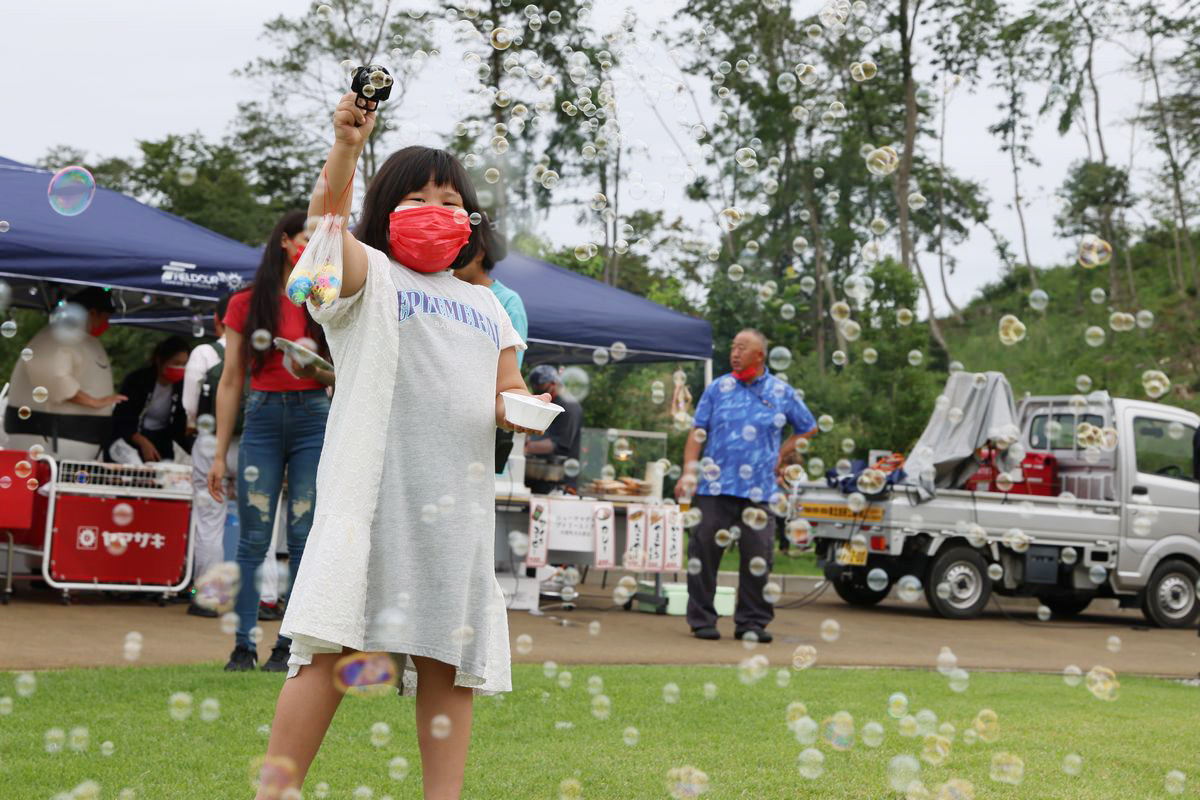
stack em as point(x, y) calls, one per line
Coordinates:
point(1054, 351)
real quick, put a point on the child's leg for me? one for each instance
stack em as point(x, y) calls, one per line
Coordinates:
point(303, 712)
point(443, 760)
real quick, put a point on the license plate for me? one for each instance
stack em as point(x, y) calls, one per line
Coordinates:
point(852, 557)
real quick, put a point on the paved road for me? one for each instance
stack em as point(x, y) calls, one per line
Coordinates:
point(37, 632)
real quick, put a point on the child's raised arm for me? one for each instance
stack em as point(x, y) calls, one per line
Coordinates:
point(334, 193)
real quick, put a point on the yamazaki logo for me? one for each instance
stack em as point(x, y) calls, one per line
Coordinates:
point(87, 537)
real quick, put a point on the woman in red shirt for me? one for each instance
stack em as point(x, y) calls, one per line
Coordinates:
point(285, 414)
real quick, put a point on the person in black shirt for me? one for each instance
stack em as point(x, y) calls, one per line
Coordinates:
point(152, 420)
point(560, 442)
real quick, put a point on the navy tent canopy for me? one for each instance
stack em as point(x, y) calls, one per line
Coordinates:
point(164, 269)
point(117, 242)
point(570, 315)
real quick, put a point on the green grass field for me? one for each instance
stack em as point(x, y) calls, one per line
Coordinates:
point(522, 747)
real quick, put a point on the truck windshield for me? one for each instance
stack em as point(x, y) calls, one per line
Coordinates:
point(1164, 448)
point(1059, 434)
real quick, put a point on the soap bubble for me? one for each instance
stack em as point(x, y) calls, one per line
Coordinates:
point(1094, 336)
point(1102, 683)
point(122, 514)
point(831, 629)
point(630, 736)
point(1007, 768)
point(1072, 764)
point(440, 726)
point(1175, 782)
point(502, 38)
point(915, 357)
point(811, 763)
point(1038, 300)
point(987, 725)
point(780, 358)
point(908, 588)
point(71, 191)
point(877, 580)
point(1113, 644)
point(366, 674)
point(398, 768)
point(179, 705)
point(901, 771)
point(1072, 675)
point(670, 693)
point(804, 656)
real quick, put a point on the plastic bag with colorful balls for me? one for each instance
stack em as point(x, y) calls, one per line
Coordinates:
point(317, 276)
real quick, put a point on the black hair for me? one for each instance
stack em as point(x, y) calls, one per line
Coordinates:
point(405, 171)
point(166, 348)
point(267, 291)
point(495, 248)
point(223, 306)
point(94, 298)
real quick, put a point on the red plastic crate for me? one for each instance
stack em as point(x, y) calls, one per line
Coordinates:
point(1040, 471)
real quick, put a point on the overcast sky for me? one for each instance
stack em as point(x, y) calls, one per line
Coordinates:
point(140, 69)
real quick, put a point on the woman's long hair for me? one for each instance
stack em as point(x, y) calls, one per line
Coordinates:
point(267, 291)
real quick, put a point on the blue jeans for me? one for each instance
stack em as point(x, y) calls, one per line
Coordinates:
point(283, 431)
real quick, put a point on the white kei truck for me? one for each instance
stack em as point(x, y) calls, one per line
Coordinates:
point(1119, 516)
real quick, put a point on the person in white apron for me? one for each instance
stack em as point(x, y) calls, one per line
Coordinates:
point(73, 419)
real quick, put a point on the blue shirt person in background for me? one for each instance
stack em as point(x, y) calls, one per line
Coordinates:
point(739, 425)
point(479, 272)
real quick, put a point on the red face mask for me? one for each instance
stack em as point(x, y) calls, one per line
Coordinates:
point(748, 374)
point(172, 374)
point(299, 252)
point(98, 328)
point(427, 238)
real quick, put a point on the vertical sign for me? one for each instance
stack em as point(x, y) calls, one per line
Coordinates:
point(635, 536)
point(673, 551)
point(604, 533)
point(539, 532)
point(655, 533)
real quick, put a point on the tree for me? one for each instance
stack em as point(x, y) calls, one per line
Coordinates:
point(313, 54)
point(1019, 55)
point(525, 58)
point(1166, 120)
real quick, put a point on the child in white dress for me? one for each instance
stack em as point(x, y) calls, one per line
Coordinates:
point(400, 556)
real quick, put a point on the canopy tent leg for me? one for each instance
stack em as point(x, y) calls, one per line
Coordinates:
point(707, 371)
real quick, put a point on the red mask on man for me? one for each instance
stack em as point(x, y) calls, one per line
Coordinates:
point(427, 238)
point(173, 374)
point(100, 327)
point(747, 374)
point(299, 252)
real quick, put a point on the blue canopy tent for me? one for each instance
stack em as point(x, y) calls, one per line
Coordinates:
point(164, 271)
point(570, 315)
point(158, 265)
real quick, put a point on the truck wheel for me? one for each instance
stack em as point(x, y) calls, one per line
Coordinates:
point(964, 569)
point(1065, 607)
point(858, 594)
point(1170, 600)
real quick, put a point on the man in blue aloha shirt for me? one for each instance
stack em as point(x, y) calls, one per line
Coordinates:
point(739, 423)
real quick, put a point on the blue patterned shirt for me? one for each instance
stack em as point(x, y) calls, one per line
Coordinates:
point(745, 423)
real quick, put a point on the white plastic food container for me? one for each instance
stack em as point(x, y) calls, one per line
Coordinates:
point(526, 411)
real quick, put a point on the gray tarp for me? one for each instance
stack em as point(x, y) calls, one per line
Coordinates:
point(949, 447)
